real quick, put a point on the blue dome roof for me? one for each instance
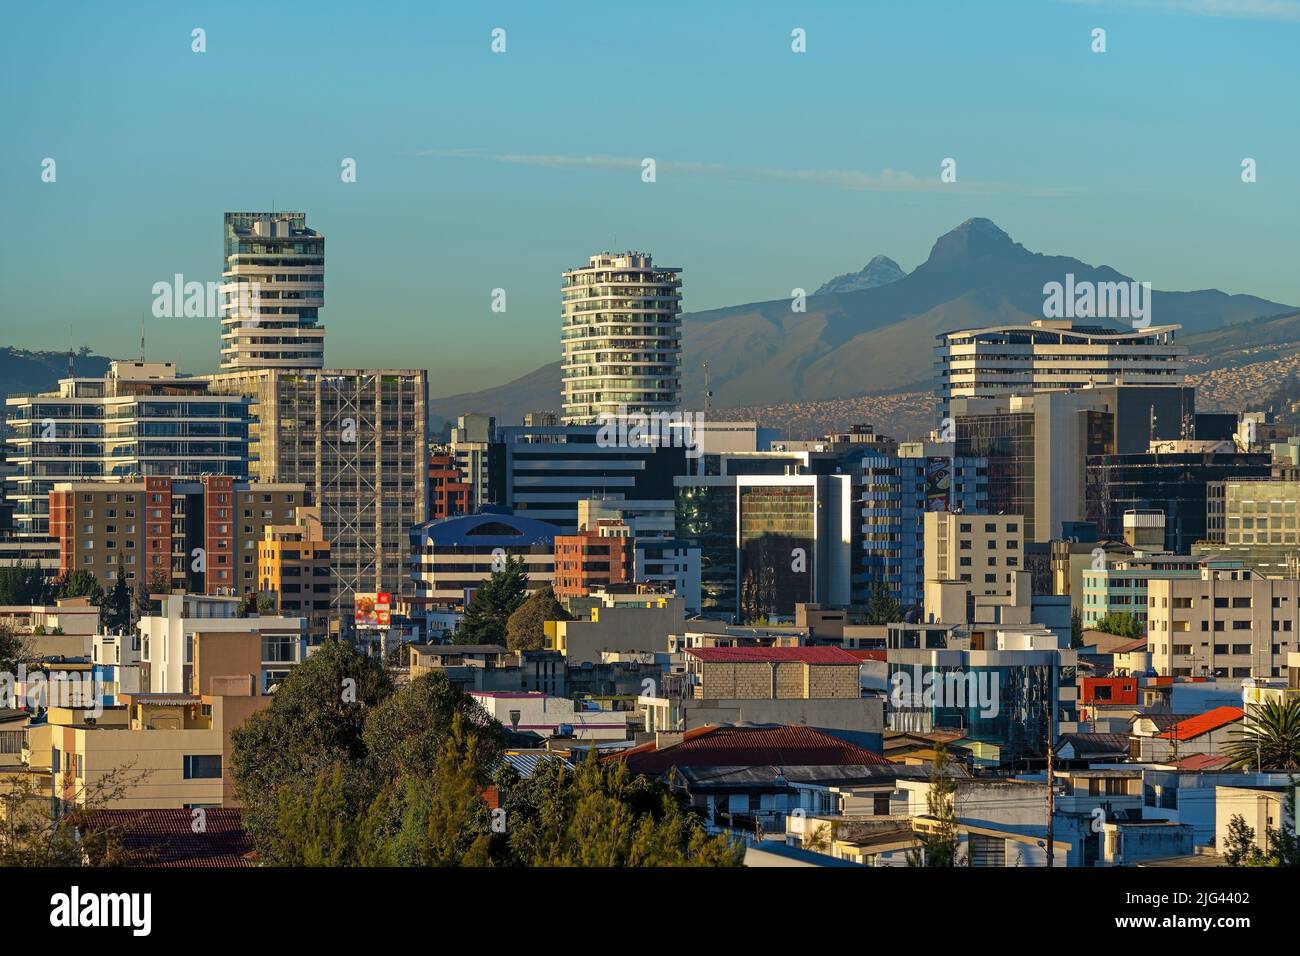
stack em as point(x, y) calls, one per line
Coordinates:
point(490, 529)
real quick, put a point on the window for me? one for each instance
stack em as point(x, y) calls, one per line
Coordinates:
point(202, 767)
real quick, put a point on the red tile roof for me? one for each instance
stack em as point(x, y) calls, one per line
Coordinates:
point(868, 654)
point(725, 746)
point(167, 837)
point(1203, 762)
point(1129, 647)
point(743, 655)
point(1204, 723)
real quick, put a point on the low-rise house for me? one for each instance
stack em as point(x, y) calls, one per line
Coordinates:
point(1162, 738)
point(546, 716)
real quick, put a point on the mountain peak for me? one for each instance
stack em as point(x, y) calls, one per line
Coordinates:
point(881, 270)
point(974, 237)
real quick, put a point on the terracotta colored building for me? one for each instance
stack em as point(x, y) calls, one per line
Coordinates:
point(449, 492)
point(592, 560)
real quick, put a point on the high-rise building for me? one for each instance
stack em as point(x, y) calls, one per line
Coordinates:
point(1053, 354)
point(767, 542)
point(293, 569)
point(1255, 521)
point(272, 292)
point(141, 419)
point(1175, 482)
point(621, 337)
point(544, 472)
point(356, 439)
point(895, 492)
point(449, 493)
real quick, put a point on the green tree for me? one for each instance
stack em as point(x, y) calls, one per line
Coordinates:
point(1076, 628)
point(316, 720)
point(883, 608)
point(407, 732)
point(526, 627)
point(1239, 847)
point(14, 648)
point(494, 601)
point(116, 611)
point(1120, 624)
point(25, 584)
point(81, 583)
point(602, 815)
point(266, 604)
point(939, 840)
point(1269, 737)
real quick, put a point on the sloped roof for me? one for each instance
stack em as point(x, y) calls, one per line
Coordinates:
point(1203, 762)
point(1204, 723)
point(1093, 745)
point(167, 837)
point(729, 746)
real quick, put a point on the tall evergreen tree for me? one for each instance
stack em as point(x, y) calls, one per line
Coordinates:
point(494, 601)
point(116, 613)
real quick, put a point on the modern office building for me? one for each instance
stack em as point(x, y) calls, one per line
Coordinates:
point(198, 535)
point(453, 556)
point(1175, 483)
point(621, 337)
point(767, 543)
point(1255, 521)
point(141, 419)
point(1050, 354)
point(1229, 621)
point(273, 288)
point(544, 472)
point(894, 492)
point(356, 439)
point(985, 551)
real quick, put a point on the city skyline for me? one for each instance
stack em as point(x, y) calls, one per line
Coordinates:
point(478, 171)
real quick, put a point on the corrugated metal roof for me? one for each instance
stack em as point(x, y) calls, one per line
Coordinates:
point(526, 764)
point(1204, 723)
point(727, 746)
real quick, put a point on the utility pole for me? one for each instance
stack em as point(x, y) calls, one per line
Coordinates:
point(1051, 795)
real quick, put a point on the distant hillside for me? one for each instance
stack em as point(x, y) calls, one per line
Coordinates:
point(537, 391)
point(24, 371)
point(880, 340)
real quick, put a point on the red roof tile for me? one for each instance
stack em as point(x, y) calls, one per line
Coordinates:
point(868, 654)
point(1204, 723)
point(1203, 762)
point(167, 837)
point(741, 655)
point(776, 746)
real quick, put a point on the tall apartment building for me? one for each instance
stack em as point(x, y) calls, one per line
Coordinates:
point(198, 535)
point(986, 551)
point(621, 337)
point(141, 419)
point(272, 292)
point(356, 439)
point(894, 492)
point(767, 542)
point(1053, 354)
point(593, 559)
point(1230, 621)
point(1121, 585)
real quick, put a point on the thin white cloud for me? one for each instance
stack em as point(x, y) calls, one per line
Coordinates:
point(1285, 11)
point(887, 180)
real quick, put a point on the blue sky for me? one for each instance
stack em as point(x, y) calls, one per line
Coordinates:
point(477, 170)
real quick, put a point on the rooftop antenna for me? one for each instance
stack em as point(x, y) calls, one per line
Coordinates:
point(142, 338)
